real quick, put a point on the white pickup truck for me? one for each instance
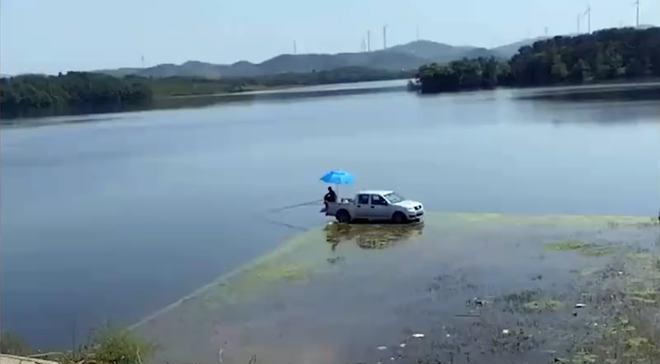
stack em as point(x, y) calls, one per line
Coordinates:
point(376, 206)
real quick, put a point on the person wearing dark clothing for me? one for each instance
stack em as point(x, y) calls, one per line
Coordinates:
point(331, 196)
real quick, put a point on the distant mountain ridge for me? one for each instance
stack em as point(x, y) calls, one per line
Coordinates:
point(407, 56)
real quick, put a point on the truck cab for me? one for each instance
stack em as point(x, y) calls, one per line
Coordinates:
point(376, 205)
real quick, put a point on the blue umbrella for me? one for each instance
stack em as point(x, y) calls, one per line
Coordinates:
point(338, 178)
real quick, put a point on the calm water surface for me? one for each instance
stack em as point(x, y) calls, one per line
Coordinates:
point(105, 222)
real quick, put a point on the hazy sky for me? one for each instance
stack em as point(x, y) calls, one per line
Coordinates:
point(61, 35)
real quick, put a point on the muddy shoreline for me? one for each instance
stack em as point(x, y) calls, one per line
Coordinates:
point(459, 288)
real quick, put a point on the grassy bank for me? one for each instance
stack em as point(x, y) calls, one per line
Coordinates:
point(108, 346)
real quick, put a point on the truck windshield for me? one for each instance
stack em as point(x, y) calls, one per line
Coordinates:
point(394, 198)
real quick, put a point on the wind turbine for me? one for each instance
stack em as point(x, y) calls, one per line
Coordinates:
point(587, 13)
point(368, 40)
point(636, 3)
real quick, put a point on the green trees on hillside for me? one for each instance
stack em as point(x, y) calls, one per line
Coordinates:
point(91, 92)
point(464, 74)
point(604, 55)
point(75, 89)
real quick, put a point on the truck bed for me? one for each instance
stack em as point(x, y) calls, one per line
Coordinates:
point(333, 207)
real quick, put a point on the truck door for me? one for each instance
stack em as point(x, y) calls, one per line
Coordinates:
point(380, 209)
point(362, 209)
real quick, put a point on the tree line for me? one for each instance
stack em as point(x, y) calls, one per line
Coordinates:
point(604, 55)
point(74, 89)
point(183, 86)
point(91, 92)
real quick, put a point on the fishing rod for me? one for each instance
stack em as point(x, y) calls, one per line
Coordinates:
point(289, 207)
point(274, 221)
point(283, 224)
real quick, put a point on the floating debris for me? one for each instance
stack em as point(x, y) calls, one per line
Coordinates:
point(402, 345)
point(418, 336)
point(382, 347)
point(476, 302)
point(580, 305)
point(335, 260)
point(506, 332)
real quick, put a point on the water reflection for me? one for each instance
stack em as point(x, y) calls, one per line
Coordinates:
point(370, 236)
point(616, 92)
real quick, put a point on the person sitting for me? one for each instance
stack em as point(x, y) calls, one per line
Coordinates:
point(331, 196)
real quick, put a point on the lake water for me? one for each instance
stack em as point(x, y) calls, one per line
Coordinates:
point(106, 222)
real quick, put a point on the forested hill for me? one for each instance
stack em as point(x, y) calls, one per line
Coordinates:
point(404, 57)
point(604, 55)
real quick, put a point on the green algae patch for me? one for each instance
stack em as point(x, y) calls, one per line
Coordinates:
point(255, 280)
point(646, 295)
point(629, 342)
point(584, 357)
point(547, 305)
point(277, 272)
point(597, 250)
point(627, 301)
point(530, 301)
point(580, 247)
point(294, 262)
point(646, 260)
point(565, 246)
point(573, 221)
point(637, 344)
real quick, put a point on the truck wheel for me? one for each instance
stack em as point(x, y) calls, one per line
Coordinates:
point(343, 216)
point(399, 218)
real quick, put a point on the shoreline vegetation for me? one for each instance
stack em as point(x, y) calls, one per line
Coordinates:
point(85, 92)
point(611, 55)
point(603, 56)
point(108, 346)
